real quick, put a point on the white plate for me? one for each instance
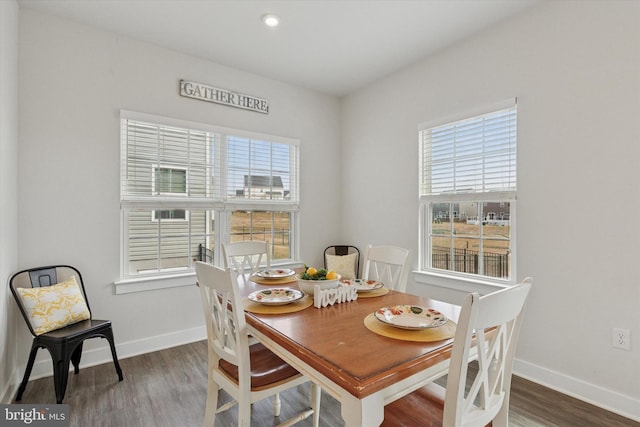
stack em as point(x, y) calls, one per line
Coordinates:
point(276, 296)
point(412, 317)
point(362, 285)
point(275, 273)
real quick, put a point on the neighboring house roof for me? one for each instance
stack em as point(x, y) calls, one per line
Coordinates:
point(263, 181)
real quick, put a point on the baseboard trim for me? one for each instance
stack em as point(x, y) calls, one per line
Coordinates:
point(98, 356)
point(609, 400)
point(601, 397)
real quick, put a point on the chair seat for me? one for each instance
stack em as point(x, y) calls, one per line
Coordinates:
point(424, 407)
point(77, 329)
point(267, 368)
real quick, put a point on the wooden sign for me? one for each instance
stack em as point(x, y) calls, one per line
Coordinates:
point(325, 297)
point(207, 93)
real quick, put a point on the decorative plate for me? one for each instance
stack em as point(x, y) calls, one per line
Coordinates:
point(276, 296)
point(362, 285)
point(411, 317)
point(275, 273)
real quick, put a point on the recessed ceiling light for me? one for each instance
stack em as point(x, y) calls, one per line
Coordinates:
point(271, 20)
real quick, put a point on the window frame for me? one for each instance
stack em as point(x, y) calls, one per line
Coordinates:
point(154, 217)
point(450, 278)
point(218, 200)
point(158, 167)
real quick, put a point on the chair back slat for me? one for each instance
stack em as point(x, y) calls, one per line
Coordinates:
point(387, 264)
point(248, 256)
point(226, 329)
point(43, 277)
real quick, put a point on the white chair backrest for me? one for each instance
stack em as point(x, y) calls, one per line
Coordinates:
point(250, 255)
point(387, 264)
point(226, 328)
point(491, 323)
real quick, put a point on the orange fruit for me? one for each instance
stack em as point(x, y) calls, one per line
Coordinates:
point(311, 271)
point(331, 275)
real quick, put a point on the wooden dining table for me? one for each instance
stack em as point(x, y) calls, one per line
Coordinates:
point(363, 370)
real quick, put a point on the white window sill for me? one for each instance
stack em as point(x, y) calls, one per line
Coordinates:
point(169, 280)
point(149, 283)
point(459, 283)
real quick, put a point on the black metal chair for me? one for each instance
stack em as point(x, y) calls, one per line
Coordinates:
point(342, 250)
point(65, 343)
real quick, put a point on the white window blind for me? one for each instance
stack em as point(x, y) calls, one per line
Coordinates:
point(222, 167)
point(259, 170)
point(150, 152)
point(472, 155)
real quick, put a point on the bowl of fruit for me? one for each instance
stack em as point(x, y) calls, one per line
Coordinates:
point(311, 277)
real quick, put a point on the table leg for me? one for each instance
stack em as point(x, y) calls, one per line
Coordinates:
point(366, 412)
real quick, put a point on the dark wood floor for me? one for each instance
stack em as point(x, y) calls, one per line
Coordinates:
point(168, 389)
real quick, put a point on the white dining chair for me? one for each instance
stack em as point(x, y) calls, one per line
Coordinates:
point(387, 264)
point(491, 325)
point(251, 255)
point(248, 373)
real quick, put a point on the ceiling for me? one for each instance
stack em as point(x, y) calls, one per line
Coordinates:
point(332, 46)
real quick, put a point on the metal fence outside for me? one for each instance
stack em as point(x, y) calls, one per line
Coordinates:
point(468, 261)
point(275, 236)
point(278, 237)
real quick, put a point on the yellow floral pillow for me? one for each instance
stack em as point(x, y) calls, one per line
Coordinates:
point(54, 307)
point(345, 265)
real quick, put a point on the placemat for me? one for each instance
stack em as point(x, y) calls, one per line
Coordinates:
point(374, 293)
point(280, 281)
point(446, 331)
point(258, 308)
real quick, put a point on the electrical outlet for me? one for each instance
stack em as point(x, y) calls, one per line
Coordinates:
point(622, 338)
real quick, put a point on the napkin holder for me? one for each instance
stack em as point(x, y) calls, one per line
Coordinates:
point(326, 297)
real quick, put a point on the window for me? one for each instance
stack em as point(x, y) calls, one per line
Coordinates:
point(468, 193)
point(169, 181)
point(187, 187)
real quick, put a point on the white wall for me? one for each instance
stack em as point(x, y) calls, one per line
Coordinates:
point(575, 69)
point(73, 82)
point(8, 196)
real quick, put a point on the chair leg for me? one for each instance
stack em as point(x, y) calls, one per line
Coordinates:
point(60, 376)
point(75, 358)
point(502, 417)
point(27, 371)
point(109, 336)
point(244, 413)
point(316, 392)
point(277, 404)
point(212, 403)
